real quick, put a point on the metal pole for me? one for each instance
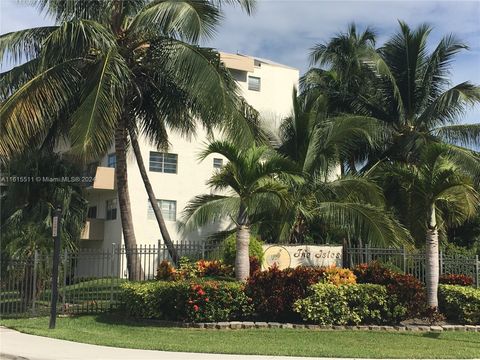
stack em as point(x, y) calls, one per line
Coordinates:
point(477, 271)
point(112, 270)
point(56, 258)
point(34, 285)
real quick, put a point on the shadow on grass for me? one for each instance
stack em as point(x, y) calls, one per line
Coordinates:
point(120, 319)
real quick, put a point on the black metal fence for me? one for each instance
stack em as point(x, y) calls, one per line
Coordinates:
point(90, 279)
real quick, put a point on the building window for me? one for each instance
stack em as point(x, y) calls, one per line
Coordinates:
point(253, 83)
point(92, 212)
point(163, 162)
point(111, 160)
point(111, 209)
point(217, 163)
point(167, 207)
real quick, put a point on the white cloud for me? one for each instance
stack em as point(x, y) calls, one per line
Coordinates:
point(284, 30)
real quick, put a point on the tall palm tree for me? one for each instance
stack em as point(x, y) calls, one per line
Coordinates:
point(341, 75)
point(442, 191)
point(112, 70)
point(252, 176)
point(316, 143)
point(415, 98)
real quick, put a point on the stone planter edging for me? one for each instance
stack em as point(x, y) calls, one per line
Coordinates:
point(236, 325)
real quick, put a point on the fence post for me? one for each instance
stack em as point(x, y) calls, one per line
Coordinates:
point(404, 253)
point(34, 285)
point(367, 260)
point(112, 269)
point(64, 290)
point(158, 253)
point(441, 262)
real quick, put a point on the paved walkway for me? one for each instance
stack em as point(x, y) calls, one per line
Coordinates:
point(17, 346)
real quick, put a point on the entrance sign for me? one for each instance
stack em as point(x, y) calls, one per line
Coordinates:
point(285, 256)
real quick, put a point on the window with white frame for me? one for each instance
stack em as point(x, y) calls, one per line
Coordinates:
point(167, 207)
point(163, 162)
point(111, 160)
point(253, 83)
point(111, 206)
point(217, 163)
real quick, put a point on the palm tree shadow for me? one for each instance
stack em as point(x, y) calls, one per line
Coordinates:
point(120, 319)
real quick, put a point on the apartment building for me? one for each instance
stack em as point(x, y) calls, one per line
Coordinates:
point(177, 176)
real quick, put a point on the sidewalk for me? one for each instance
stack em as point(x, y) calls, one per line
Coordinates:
point(17, 346)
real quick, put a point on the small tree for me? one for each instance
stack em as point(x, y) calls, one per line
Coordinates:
point(441, 191)
point(253, 176)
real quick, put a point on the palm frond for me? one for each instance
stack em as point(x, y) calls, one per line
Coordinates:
point(15, 78)
point(450, 105)
point(182, 19)
point(27, 114)
point(371, 223)
point(207, 209)
point(23, 45)
point(462, 134)
point(96, 117)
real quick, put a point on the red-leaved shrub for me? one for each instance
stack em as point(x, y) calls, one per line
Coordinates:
point(456, 279)
point(274, 291)
point(408, 290)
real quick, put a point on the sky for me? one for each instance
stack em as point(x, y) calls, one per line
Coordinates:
point(285, 30)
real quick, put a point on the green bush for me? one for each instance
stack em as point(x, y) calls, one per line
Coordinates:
point(460, 303)
point(328, 304)
point(230, 249)
point(194, 301)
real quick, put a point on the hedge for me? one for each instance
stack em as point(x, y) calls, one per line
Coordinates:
point(192, 301)
point(460, 304)
point(328, 304)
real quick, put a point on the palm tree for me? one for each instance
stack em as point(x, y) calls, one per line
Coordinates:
point(115, 69)
point(415, 98)
point(441, 191)
point(340, 76)
point(253, 176)
point(315, 143)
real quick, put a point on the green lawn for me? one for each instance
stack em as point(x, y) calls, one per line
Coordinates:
point(113, 331)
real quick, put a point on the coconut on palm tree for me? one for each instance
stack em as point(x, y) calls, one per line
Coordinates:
point(111, 71)
point(441, 191)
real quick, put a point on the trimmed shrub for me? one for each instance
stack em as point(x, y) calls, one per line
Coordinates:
point(166, 271)
point(230, 249)
point(339, 276)
point(274, 291)
point(328, 304)
point(406, 289)
point(213, 268)
point(456, 279)
point(460, 304)
point(192, 301)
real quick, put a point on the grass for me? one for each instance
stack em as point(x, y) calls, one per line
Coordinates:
point(112, 330)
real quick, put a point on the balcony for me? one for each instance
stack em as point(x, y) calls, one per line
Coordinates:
point(104, 179)
point(93, 230)
point(237, 62)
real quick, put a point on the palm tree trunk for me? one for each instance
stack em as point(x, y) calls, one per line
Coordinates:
point(153, 200)
point(432, 261)
point(134, 265)
point(242, 260)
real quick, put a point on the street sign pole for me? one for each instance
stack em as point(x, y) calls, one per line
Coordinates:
point(57, 217)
